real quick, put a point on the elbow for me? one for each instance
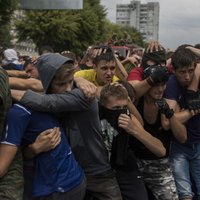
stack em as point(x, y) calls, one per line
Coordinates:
point(165, 126)
point(37, 88)
point(182, 140)
point(161, 153)
point(2, 172)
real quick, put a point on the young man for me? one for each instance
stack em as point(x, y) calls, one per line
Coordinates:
point(30, 68)
point(10, 60)
point(156, 169)
point(117, 126)
point(57, 174)
point(80, 116)
point(153, 55)
point(185, 158)
point(103, 71)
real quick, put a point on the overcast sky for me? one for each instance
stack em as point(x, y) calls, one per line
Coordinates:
point(179, 20)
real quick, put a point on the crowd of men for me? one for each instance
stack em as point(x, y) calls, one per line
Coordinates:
point(93, 129)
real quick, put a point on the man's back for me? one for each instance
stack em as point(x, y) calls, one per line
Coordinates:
point(82, 126)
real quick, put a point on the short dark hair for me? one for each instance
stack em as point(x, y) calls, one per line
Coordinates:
point(45, 49)
point(107, 55)
point(197, 46)
point(69, 54)
point(183, 57)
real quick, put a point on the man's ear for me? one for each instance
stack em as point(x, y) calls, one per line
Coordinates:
point(195, 64)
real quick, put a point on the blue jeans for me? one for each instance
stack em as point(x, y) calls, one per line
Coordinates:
point(185, 162)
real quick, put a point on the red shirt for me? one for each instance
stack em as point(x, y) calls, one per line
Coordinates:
point(137, 73)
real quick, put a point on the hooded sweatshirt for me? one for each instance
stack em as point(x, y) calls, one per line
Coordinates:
point(47, 66)
point(81, 116)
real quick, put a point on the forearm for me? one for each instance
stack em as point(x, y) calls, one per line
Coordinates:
point(120, 71)
point(183, 116)
point(45, 141)
point(17, 73)
point(17, 94)
point(133, 127)
point(178, 129)
point(25, 84)
point(141, 87)
point(30, 152)
point(7, 154)
point(135, 112)
point(65, 102)
point(151, 143)
point(195, 81)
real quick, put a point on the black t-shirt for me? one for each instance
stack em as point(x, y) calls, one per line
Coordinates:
point(155, 130)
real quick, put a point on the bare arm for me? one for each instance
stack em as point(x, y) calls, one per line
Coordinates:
point(173, 122)
point(182, 116)
point(178, 129)
point(135, 112)
point(141, 87)
point(194, 50)
point(7, 154)
point(134, 59)
point(134, 128)
point(17, 73)
point(195, 81)
point(24, 84)
point(120, 70)
point(17, 94)
point(88, 88)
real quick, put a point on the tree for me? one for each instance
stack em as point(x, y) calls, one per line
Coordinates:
point(73, 30)
point(119, 31)
point(6, 10)
point(63, 29)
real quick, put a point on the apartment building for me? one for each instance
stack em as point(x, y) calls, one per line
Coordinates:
point(143, 17)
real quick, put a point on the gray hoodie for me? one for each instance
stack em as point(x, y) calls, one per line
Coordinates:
point(47, 66)
point(81, 117)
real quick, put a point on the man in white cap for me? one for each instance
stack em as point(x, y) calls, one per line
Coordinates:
point(10, 60)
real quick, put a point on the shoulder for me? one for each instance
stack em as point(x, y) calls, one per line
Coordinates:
point(19, 111)
point(115, 78)
point(135, 74)
point(172, 88)
point(84, 72)
point(172, 83)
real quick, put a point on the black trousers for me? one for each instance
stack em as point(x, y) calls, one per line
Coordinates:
point(131, 185)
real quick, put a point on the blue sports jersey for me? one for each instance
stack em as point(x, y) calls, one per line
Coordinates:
point(55, 170)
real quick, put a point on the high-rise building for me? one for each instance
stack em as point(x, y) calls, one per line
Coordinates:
point(143, 17)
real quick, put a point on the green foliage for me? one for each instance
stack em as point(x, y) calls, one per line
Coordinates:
point(55, 28)
point(62, 29)
point(119, 31)
point(5, 39)
point(68, 29)
point(7, 8)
